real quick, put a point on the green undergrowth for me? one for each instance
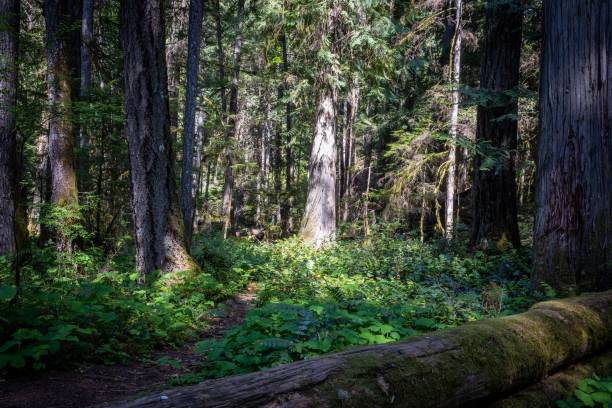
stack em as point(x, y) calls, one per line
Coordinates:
point(85, 306)
point(591, 392)
point(360, 292)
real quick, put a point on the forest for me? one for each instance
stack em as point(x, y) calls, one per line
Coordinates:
point(305, 203)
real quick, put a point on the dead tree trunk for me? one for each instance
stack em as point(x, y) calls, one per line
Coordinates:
point(573, 227)
point(494, 189)
point(158, 225)
point(319, 221)
point(467, 366)
point(9, 40)
point(454, 121)
point(196, 13)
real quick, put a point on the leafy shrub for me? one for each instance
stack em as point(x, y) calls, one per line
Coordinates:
point(591, 392)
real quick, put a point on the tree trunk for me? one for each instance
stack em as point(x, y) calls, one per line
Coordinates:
point(573, 226)
point(221, 58)
point(9, 40)
point(61, 71)
point(319, 221)
point(352, 106)
point(158, 225)
point(494, 189)
point(86, 44)
point(174, 51)
point(230, 131)
point(467, 366)
point(287, 201)
point(196, 13)
point(454, 121)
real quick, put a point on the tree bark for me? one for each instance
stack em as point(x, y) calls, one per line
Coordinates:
point(61, 71)
point(158, 225)
point(467, 366)
point(287, 202)
point(573, 226)
point(319, 221)
point(86, 44)
point(352, 106)
point(196, 13)
point(9, 42)
point(230, 130)
point(494, 189)
point(454, 121)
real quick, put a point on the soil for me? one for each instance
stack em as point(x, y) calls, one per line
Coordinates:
point(93, 384)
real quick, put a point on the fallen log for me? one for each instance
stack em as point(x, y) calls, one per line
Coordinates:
point(471, 365)
point(558, 386)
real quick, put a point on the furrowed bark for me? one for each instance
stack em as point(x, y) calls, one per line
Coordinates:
point(319, 220)
point(9, 40)
point(196, 13)
point(467, 366)
point(573, 227)
point(158, 225)
point(494, 189)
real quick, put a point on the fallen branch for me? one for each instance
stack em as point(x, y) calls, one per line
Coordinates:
point(473, 364)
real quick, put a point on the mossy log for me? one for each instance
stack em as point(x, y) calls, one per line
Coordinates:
point(558, 386)
point(472, 365)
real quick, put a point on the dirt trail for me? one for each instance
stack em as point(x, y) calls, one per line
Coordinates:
point(91, 384)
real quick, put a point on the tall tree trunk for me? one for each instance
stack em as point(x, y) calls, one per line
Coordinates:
point(230, 130)
point(319, 222)
point(494, 190)
point(9, 40)
point(352, 106)
point(61, 71)
point(196, 13)
point(86, 44)
point(573, 223)
point(221, 58)
point(454, 121)
point(174, 51)
point(287, 201)
point(158, 225)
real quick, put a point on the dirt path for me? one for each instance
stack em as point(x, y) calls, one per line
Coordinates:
point(94, 384)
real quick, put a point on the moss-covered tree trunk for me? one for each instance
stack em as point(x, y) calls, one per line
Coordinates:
point(468, 366)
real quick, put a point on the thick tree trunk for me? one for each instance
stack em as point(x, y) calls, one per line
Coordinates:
point(86, 44)
point(454, 121)
point(319, 220)
point(9, 40)
point(158, 225)
point(61, 71)
point(494, 189)
point(573, 226)
point(230, 130)
point(468, 366)
point(196, 13)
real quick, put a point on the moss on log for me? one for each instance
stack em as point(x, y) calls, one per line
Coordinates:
point(470, 365)
point(558, 386)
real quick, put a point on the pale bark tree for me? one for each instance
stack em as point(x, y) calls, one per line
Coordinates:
point(158, 225)
point(319, 220)
point(196, 13)
point(85, 88)
point(573, 223)
point(454, 121)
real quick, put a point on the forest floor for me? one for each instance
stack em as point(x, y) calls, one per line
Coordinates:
point(92, 384)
